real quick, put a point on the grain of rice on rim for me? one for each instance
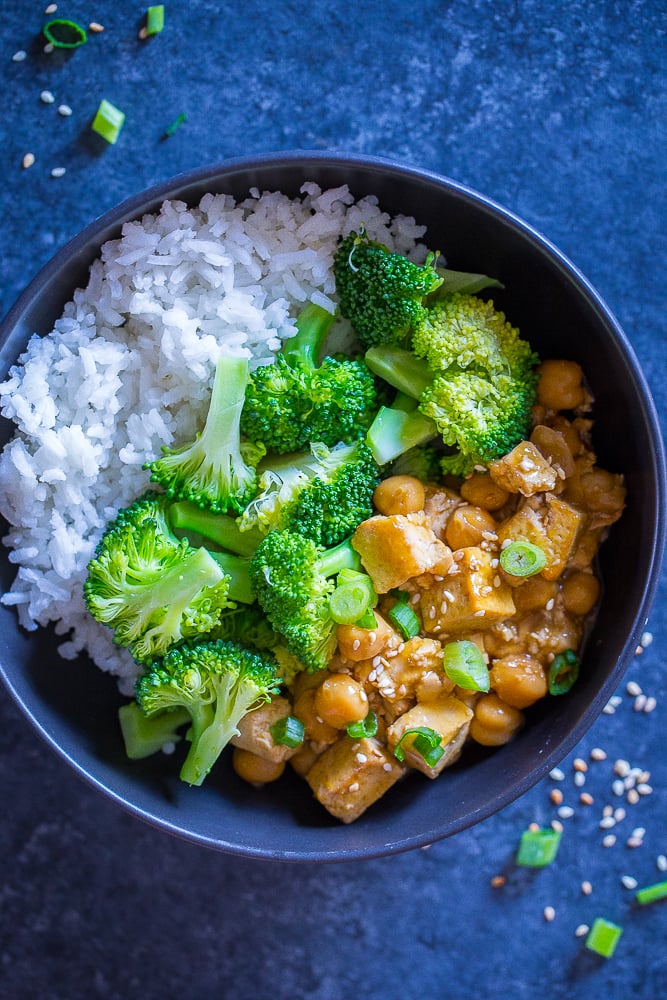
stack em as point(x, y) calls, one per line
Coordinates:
point(129, 365)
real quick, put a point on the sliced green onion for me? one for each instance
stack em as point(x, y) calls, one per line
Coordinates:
point(538, 848)
point(175, 125)
point(651, 893)
point(426, 742)
point(563, 672)
point(63, 34)
point(522, 559)
point(363, 729)
point(288, 732)
point(603, 937)
point(350, 601)
point(463, 662)
point(154, 20)
point(367, 620)
point(404, 619)
point(108, 121)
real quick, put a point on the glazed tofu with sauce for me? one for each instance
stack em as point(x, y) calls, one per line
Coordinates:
point(474, 598)
point(397, 547)
point(351, 775)
point(449, 717)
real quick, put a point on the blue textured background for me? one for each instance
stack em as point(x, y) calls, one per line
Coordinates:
point(559, 112)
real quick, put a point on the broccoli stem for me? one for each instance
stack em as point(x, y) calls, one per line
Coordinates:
point(400, 368)
point(341, 556)
point(222, 529)
point(395, 431)
point(231, 704)
point(144, 735)
point(305, 347)
point(237, 568)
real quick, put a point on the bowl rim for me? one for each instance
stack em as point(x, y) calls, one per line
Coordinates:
point(136, 205)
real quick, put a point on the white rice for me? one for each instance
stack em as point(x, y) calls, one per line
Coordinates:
point(129, 366)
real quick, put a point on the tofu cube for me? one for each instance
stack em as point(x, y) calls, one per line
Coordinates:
point(395, 548)
point(414, 672)
point(255, 731)
point(474, 598)
point(449, 717)
point(549, 522)
point(523, 470)
point(351, 775)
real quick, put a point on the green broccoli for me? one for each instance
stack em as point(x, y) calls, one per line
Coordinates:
point(144, 735)
point(421, 461)
point(153, 589)
point(216, 470)
point(297, 399)
point(322, 494)
point(472, 375)
point(189, 520)
point(381, 293)
point(218, 682)
point(397, 430)
point(293, 580)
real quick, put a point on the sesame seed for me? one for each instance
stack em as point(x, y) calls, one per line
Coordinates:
point(634, 842)
point(582, 930)
point(550, 604)
point(621, 768)
point(58, 172)
point(49, 47)
point(639, 831)
point(498, 881)
point(356, 644)
point(632, 798)
point(650, 704)
point(618, 788)
point(579, 764)
point(586, 799)
point(598, 754)
point(633, 689)
point(387, 766)
point(661, 863)
point(556, 796)
point(46, 97)
point(19, 56)
point(608, 811)
point(646, 640)
point(586, 888)
point(619, 814)
point(28, 160)
point(533, 827)
point(579, 779)
point(51, 9)
point(628, 882)
point(64, 110)
point(616, 700)
point(607, 822)
point(556, 774)
point(556, 825)
point(142, 35)
point(95, 27)
point(361, 758)
point(608, 709)
point(549, 914)
point(639, 703)
point(565, 812)
point(354, 787)
point(609, 840)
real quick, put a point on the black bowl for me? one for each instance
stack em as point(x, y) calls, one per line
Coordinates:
point(73, 705)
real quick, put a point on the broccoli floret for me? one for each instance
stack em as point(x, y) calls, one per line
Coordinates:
point(293, 580)
point(322, 494)
point(248, 625)
point(153, 589)
point(189, 520)
point(217, 469)
point(473, 377)
point(297, 399)
point(422, 461)
point(218, 682)
point(144, 735)
point(380, 292)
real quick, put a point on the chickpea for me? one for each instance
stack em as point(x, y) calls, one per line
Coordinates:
point(554, 447)
point(560, 386)
point(603, 491)
point(399, 495)
point(254, 769)
point(534, 594)
point(495, 722)
point(580, 592)
point(468, 526)
point(519, 680)
point(315, 727)
point(303, 760)
point(356, 643)
point(481, 491)
point(340, 699)
point(569, 431)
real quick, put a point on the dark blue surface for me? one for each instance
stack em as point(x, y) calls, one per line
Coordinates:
point(558, 112)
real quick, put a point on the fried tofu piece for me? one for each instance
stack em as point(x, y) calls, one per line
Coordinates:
point(474, 598)
point(549, 522)
point(397, 547)
point(255, 731)
point(414, 672)
point(351, 775)
point(523, 470)
point(449, 717)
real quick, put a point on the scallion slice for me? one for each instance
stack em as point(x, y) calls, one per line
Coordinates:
point(463, 662)
point(563, 672)
point(651, 893)
point(538, 848)
point(64, 34)
point(426, 742)
point(522, 559)
point(367, 620)
point(175, 125)
point(352, 599)
point(108, 121)
point(363, 729)
point(603, 937)
point(288, 731)
point(404, 619)
point(154, 20)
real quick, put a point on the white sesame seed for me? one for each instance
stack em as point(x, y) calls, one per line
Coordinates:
point(650, 704)
point(19, 56)
point(51, 9)
point(608, 811)
point(607, 822)
point(639, 831)
point(609, 709)
point(616, 700)
point(28, 160)
point(579, 764)
point(586, 799)
point(387, 766)
point(598, 754)
point(634, 842)
point(582, 930)
point(639, 703)
point(579, 779)
point(566, 812)
point(586, 888)
point(632, 798)
point(356, 644)
point(46, 97)
point(644, 789)
point(609, 840)
point(550, 604)
point(618, 788)
point(49, 47)
point(661, 863)
point(621, 768)
point(95, 27)
point(64, 110)
point(646, 640)
point(619, 814)
point(628, 882)
point(633, 689)
point(556, 796)
point(361, 758)
point(58, 172)
point(549, 914)
point(556, 825)
point(556, 774)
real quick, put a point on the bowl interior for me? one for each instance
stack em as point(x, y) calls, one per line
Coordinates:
point(73, 705)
